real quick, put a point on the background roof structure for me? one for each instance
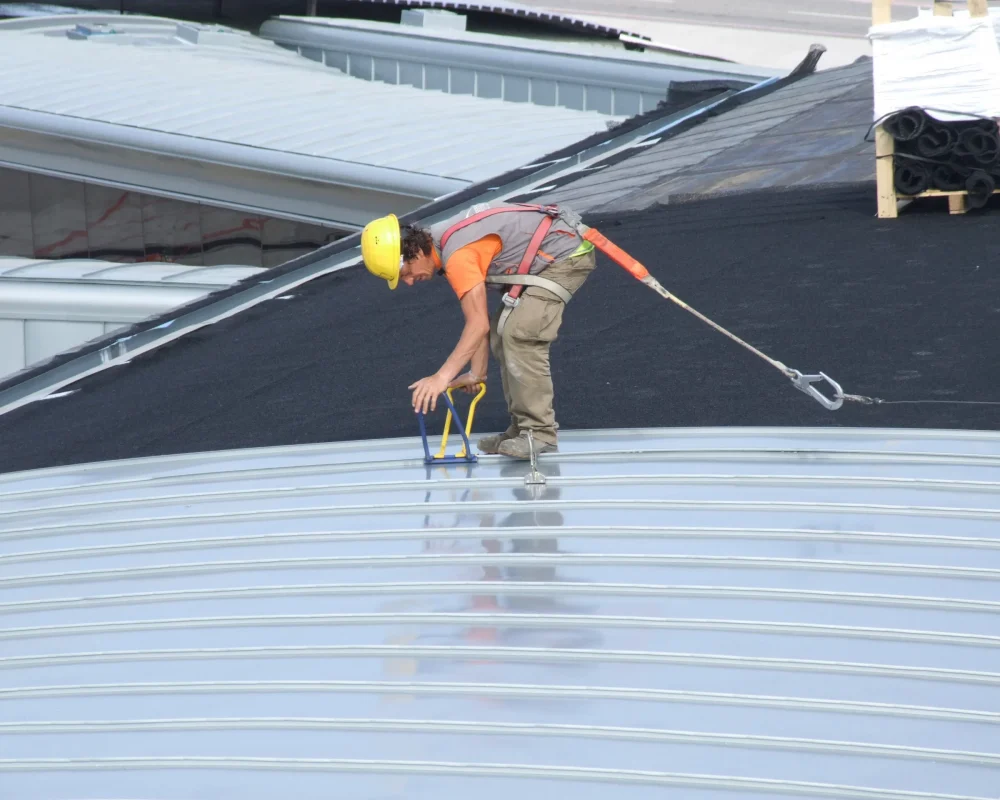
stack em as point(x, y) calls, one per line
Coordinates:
point(47, 307)
point(581, 75)
point(510, 10)
point(814, 132)
point(732, 613)
point(161, 108)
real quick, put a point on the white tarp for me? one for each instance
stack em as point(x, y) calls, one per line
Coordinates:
point(949, 66)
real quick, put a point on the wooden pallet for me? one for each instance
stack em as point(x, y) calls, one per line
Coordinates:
point(888, 199)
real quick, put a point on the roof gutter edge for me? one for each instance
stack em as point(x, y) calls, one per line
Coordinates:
point(241, 156)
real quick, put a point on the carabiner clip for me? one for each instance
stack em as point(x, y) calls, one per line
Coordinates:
point(804, 383)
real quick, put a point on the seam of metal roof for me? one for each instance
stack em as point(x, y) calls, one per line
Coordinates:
point(495, 770)
point(499, 690)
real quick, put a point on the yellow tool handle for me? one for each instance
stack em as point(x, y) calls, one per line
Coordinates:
point(468, 421)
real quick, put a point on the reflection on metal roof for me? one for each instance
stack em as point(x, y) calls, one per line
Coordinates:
point(806, 613)
point(592, 76)
point(163, 106)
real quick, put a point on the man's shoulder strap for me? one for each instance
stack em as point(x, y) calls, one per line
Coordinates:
point(551, 210)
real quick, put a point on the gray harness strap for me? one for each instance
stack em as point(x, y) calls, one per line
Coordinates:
point(526, 280)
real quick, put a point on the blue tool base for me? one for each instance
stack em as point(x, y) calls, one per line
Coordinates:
point(452, 460)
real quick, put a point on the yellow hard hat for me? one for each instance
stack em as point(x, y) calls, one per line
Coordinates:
point(380, 248)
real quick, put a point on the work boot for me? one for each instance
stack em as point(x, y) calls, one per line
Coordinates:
point(518, 447)
point(490, 445)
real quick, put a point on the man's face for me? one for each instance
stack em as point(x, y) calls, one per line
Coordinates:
point(417, 270)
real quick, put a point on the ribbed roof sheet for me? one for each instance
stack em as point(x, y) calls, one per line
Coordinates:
point(253, 94)
point(92, 271)
point(804, 613)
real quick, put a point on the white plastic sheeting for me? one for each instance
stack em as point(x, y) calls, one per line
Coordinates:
point(949, 66)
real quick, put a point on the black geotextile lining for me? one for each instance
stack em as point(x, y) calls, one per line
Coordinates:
point(902, 309)
point(681, 95)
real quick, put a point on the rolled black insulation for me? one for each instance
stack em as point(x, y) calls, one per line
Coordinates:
point(982, 146)
point(936, 141)
point(911, 177)
point(907, 124)
point(980, 186)
point(953, 156)
point(948, 177)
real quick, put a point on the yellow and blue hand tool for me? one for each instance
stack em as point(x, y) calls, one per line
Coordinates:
point(465, 455)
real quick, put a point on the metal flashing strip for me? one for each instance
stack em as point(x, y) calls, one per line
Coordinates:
point(502, 690)
point(526, 730)
point(523, 620)
point(473, 534)
point(480, 770)
point(990, 515)
point(527, 655)
point(328, 488)
point(605, 457)
point(567, 589)
point(425, 561)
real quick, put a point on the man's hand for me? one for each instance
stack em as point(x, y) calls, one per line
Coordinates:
point(468, 383)
point(426, 392)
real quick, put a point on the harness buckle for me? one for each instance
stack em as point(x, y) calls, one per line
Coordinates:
point(510, 302)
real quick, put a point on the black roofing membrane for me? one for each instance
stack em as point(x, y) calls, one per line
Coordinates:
point(905, 309)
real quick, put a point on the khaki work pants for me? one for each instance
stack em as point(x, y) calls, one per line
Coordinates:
point(523, 350)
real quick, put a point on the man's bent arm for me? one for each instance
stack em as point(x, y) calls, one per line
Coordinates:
point(473, 345)
point(481, 358)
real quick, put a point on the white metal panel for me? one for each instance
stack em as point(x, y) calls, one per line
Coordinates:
point(40, 300)
point(12, 355)
point(300, 118)
point(68, 269)
point(44, 338)
point(47, 307)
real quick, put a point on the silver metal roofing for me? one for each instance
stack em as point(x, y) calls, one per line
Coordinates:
point(592, 76)
point(164, 107)
point(48, 307)
point(806, 613)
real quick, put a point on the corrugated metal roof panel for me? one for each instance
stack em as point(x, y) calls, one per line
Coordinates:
point(593, 76)
point(803, 612)
point(295, 106)
point(147, 109)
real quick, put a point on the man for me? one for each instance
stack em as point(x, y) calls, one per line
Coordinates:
point(538, 249)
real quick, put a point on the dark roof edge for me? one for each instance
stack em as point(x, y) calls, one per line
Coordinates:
point(564, 21)
point(92, 355)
